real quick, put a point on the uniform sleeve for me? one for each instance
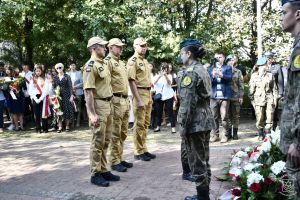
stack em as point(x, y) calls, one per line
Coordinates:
point(89, 74)
point(275, 90)
point(251, 86)
point(241, 85)
point(131, 66)
point(204, 86)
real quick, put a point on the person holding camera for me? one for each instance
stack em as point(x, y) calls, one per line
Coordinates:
point(221, 77)
point(163, 86)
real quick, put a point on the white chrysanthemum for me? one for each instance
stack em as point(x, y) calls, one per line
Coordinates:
point(254, 177)
point(249, 167)
point(265, 147)
point(275, 137)
point(235, 161)
point(278, 167)
point(241, 154)
point(235, 171)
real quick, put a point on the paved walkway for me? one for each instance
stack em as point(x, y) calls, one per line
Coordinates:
point(32, 168)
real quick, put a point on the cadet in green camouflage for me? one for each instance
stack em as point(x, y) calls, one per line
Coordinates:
point(194, 116)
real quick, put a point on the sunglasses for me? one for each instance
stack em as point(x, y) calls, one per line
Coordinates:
point(58, 68)
point(143, 46)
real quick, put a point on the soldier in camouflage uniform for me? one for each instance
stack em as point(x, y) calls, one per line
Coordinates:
point(194, 116)
point(290, 118)
point(237, 87)
point(263, 92)
point(274, 69)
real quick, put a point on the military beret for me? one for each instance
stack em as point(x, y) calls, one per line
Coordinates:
point(269, 54)
point(229, 57)
point(290, 1)
point(190, 42)
point(261, 61)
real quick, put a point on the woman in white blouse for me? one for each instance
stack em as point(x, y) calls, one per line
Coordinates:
point(39, 93)
point(163, 85)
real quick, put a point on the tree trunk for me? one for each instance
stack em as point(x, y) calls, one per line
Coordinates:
point(28, 25)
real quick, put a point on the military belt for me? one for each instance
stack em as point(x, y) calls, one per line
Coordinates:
point(121, 95)
point(105, 99)
point(144, 88)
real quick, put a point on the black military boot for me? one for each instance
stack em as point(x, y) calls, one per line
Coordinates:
point(150, 155)
point(119, 168)
point(127, 164)
point(229, 133)
point(188, 176)
point(98, 179)
point(235, 134)
point(261, 134)
point(110, 177)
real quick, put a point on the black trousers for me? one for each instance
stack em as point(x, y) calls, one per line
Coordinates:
point(168, 108)
point(38, 111)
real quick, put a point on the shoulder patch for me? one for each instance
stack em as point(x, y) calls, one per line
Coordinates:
point(186, 81)
point(89, 66)
point(296, 62)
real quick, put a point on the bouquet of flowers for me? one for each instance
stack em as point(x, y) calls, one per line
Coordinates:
point(5, 82)
point(56, 102)
point(17, 84)
point(260, 173)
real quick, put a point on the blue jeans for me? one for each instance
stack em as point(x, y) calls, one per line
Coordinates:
point(1, 113)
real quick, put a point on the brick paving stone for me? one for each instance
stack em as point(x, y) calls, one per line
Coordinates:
point(59, 169)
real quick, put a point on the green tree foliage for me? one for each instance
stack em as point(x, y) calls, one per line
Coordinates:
point(51, 31)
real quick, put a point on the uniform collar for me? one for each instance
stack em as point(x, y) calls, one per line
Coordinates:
point(138, 56)
point(297, 39)
point(113, 56)
point(95, 58)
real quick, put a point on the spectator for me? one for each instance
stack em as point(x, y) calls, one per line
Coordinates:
point(2, 97)
point(16, 98)
point(27, 74)
point(77, 84)
point(39, 93)
point(174, 76)
point(221, 76)
point(63, 81)
point(163, 85)
point(153, 111)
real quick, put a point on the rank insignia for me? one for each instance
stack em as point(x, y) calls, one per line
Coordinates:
point(297, 62)
point(141, 64)
point(116, 65)
point(100, 68)
point(187, 81)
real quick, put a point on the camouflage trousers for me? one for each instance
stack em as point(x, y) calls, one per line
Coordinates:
point(101, 137)
point(120, 128)
point(264, 115)
point(141, 122)
point(197, 148)
point(219, 109)
point(234, 113)
point(184, 158)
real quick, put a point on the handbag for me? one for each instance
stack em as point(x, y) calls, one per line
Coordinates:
point(158, 96)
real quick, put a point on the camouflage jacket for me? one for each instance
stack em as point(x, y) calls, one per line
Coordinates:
point(290, 118)
point(194, 90)
point(237, 84)
point(263, 89)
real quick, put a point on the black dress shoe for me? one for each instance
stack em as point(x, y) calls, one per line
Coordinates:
point(97, 179)
point(142, 157)
point(110, 177)
point(126, 164)
point(150, 155)
point(119, 168)
point(195, 197)
point(188, 177)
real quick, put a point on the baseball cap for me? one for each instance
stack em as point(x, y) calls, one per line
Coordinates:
point(96, 40)
point(116, 42)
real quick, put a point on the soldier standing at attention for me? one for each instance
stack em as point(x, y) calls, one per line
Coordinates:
point(263, 92)
point(194, 116)
point(119, 83)
point(237, 87)
point(140, 85)
point(290, 118)
point(98, 95)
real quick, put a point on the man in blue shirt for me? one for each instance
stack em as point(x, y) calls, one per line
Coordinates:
point(221, 76)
